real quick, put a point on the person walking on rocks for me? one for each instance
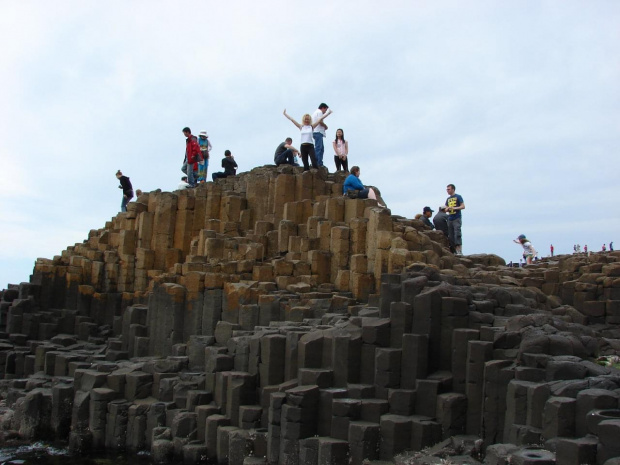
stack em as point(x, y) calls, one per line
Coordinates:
point(285, 153)
point(192, 156)
point(551, 248)
point(341, 151)
point(307, 142)
point(426, 214)
point(127, 189)
point(529, 252)
point(319, 132)
point(229, 164)
point(454, 205)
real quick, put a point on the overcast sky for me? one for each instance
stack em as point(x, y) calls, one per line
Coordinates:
point(515, 102)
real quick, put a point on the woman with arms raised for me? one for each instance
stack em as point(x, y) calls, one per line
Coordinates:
point(307, 140)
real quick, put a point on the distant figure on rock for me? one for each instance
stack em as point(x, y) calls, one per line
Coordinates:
point(319, 132)
point(426, 214)
point(307, 141)
point(454, 205)
point(192, 156)
point(611, 246)
point(205, 148)
point(604, 248)
point(354, 188)
point(529, 252)
point(441, 221)
point(229, 164)
point(585, 248)
point(138, 192)
point(551, 248)
point(285, 153)
point(183, 184)
point(127, 189)
point(341, 151)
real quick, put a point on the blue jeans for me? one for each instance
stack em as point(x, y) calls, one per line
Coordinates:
point(318, 148)
point(191, 180)
point(124, 203)
point(285, 157)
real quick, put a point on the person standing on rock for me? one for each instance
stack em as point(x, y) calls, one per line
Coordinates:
point(529, 252)
point(319, 132)
point(611, 246)
point(205, 148)
point(192, 156)
point(127, 189)
point(307, 142)
point(454, 205)
point(285, 153)
point(551, 248)
point(341, 151)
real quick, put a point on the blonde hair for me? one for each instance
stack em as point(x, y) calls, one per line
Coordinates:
point(303, 118)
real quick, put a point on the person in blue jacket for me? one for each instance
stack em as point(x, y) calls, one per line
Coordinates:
point(353, 183)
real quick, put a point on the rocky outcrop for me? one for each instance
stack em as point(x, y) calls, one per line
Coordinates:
point(267, 319)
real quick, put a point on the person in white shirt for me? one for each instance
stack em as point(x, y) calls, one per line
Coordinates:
point(307, 142)
point(319, 132)
point(529, 252)
point(183, 184)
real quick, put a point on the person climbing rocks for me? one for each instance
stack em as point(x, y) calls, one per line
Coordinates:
point(127, 189)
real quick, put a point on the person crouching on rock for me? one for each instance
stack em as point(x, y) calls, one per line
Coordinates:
point(127, 189)
point(529, 252)
point(354, 188)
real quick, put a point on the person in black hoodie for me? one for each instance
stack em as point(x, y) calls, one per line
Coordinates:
point(127, 190)
point(229, 164)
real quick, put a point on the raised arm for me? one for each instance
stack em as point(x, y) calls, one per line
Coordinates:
point(292, 120)
point(318, 121)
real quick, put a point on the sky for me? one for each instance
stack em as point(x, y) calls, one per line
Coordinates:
point(517, 103)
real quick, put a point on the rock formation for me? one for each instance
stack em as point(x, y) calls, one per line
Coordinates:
point(266, 319)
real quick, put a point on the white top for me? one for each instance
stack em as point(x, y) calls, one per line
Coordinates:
point(182, 185)
point(306, 135)
point(315, 117)
point(528, 249)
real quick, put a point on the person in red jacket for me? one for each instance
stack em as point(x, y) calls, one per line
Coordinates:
point(192, 155)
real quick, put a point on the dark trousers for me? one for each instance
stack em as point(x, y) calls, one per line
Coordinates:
point(341, 164)
point(215, 176)
point(285, 157)
point(308, 150)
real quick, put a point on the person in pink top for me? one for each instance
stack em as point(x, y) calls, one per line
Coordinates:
point(341, 151)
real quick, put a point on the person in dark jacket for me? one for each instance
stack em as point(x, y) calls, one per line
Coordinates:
point(229, 164)
point(426, 214)
point(441, 221)
point(127, 189)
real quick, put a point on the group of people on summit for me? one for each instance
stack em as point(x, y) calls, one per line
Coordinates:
point(311, 150)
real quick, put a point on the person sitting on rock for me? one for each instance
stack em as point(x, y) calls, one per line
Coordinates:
point(229, 164)
point(285, 153)
point(426, 214)
point(354, 188)
point(183, 184)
